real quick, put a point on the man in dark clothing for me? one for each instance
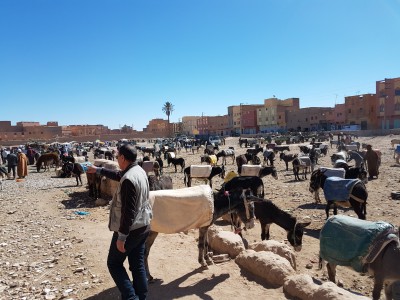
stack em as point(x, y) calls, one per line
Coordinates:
point(130, 216)
point(12, 162)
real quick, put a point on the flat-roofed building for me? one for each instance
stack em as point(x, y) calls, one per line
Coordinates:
point(273, 116)
point(310, 119)
point(388, 100)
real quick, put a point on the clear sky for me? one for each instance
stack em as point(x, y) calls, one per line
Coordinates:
point(117, 62)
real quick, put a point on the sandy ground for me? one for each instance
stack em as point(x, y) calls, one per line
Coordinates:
point(49, 252)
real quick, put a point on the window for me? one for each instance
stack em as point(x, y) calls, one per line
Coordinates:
point(397, 106)
point(349, 110)
point(397, 92)
point(381, 108)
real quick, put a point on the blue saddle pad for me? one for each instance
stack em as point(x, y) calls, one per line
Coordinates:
point(347, 241)
point(339, 189)
point(398, 149)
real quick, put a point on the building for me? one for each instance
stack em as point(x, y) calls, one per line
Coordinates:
point(85, 130)
point(273, 116)
point(310, 119)
point(362, 110)
point(388, 98)
point(159, 128)
point(242, 119)
point(25, 131)
point(218, 125)
point(189, 124)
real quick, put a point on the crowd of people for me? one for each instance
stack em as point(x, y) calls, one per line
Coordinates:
point(16, 161)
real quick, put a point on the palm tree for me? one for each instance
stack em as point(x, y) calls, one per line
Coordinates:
point(168, 108)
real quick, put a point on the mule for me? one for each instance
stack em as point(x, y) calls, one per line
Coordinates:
point(385, 267)
point(252, 183)
point(244, 159)
point(160, 183)
point(224, 203)
point(301, 163)
point(47, 159)
point(226, 153)
point(72, 169)
point(187, 178)
point(176, 162)
point(357, 198)
point(287, 158)
point(268, 213)
point(269, 157)
point(94, 183)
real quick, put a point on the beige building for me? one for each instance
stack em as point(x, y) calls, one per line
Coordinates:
point(159, 128)
point(189, 124)
point(273, 116)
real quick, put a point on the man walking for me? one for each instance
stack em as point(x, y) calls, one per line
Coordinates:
point(130, 216)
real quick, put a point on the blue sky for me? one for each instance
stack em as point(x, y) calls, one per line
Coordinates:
point(117, 62)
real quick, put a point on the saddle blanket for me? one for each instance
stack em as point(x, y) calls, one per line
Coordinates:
point(339, 189)
point(229, 152)
point(339, 162)
point(305, 161)
point(100, 162)
point(213, 159)
point(352, 147)
point(348, 241)
point(201, 171)
point(333, 172)
point(250, 170)
point(84, 166)
point(397, 149)
point(267, 153)
point(171, 154)
point(182, 209)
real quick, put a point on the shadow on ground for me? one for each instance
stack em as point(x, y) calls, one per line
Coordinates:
point(172, 290)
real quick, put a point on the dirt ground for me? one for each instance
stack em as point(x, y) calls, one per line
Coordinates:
point(48, 251)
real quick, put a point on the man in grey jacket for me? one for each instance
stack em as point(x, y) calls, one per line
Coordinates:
point(130, 216)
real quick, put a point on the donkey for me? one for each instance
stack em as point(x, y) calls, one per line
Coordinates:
point(357, 198)
point(267, 213)
point(244, 159)
point(160, 183)
point(385, 267)
point(224, 203)
point(94, 183)
point(287, 158)
point(176, 161)
point(72, 169)
point(301, 163)
point(187, 179)
point(47, 159)
point(226, 153)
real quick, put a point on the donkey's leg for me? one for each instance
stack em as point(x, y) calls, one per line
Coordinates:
point(378, 285)
point(331, 271)
point(201, 245)
point(328, 204)
point(265, 231)
point(149, 242)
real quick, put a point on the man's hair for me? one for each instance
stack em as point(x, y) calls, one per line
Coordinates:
point(129, 152)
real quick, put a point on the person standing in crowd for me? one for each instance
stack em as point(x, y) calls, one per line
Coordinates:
point(12, 161)
point(356, 156)
point(372, 159)
point(22, 168)
point(4, 155)
point(130, 216)
point(30, 153)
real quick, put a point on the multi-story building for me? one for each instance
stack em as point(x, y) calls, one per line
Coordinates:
point(25, 131)
point(273, 117)
point(189, 124)
point(159, 128)
point(242, 119)
point(388, 95)
point(85, 130)
point(310, 119)
point(218, 125)
point(362, 110)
